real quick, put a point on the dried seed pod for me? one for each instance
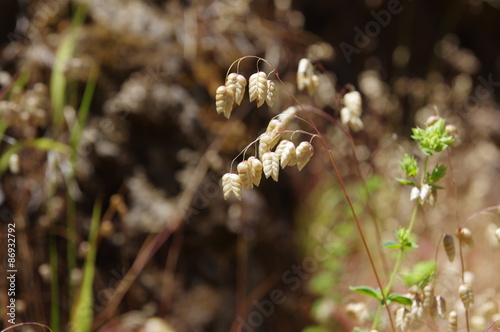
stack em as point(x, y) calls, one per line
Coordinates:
point(288, 154)
point(224, 100)
point(271, 165)
point(281, 147)
point(416, 311)
point(452, 321)
point(449, 247)
point(352, 100)
point(245, 174)
point(257, 88)
point(256, 167)
point(400, 319)
point(287, 115)
point(432, 120)
point(231, 184)
point(313, 85)
point(415, 193)
point(466, 295)
point(271, 95)
point(441, 306)
point(425, 193)
point(304, 152)
point(274, 130)
point(265, 142)
point(237, 83)
point(465, 236)
point(497, 234)
point(304, 73)
point(428, 295)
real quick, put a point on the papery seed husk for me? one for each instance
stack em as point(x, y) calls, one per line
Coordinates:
point(271, 95)
point(452, 321)
point(313, 85)
point(256, 170)
point(288, 154)
point(466, 295)
point(224, 99)
point(270, 163)
point(257, 88)
point(441, 306)
point(304, 72)
point(237, 83)
point(303, 152)
point(287, 115)
point(274, 130)
point(245, 173)
point(428, 295)
point(449, 247)
point(465, 236)
point(352, 100)
point(264, 144)
point(231, 184)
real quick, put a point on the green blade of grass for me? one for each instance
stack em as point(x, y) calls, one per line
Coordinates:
point(42, 143)
point(82, 311)
point(54, 285)
point(58, 82)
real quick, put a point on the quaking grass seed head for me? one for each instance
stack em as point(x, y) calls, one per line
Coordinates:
point(237, 83)
point(452, 321)
point(224, 100)
point(449, 247)
point(465, 236)
point(258, 88)
point(466, 295)
point(231, 185)
point(270, 164)
point(245, 174)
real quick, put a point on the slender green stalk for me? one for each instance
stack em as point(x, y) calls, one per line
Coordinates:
point(54, 285)
point(82, 313)
point(70, 203)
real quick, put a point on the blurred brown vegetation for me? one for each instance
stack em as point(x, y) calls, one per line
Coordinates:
point(153, 149)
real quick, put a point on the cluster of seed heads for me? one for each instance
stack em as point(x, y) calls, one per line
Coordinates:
point(285, 153)
point(260, 88)
point(424, 302)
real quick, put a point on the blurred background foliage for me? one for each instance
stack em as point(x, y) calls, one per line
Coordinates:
point(113, 101)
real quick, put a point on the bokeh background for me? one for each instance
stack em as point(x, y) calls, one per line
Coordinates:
point(171, 253)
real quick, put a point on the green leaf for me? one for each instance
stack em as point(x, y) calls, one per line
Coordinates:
point(411, 244)
point(437, 173)
point(391, 245)
point(409, 165)
point(433, 186)
point(42, 143)
point(396, 297)
point(421, 273)
point(367, 290)
point(405, 182)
